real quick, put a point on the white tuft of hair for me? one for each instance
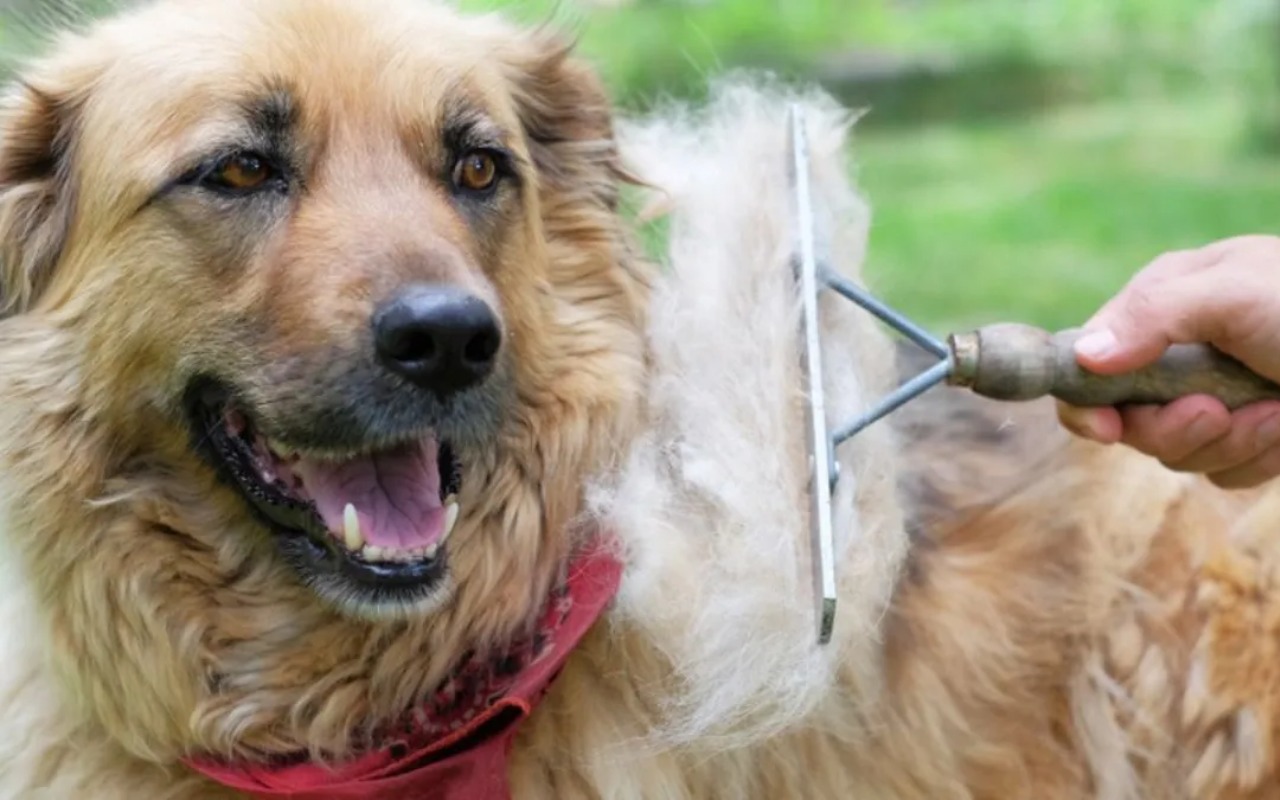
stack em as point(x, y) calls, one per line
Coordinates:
point(711, 503)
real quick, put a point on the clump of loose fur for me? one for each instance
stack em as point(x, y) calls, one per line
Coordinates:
point(711, 500)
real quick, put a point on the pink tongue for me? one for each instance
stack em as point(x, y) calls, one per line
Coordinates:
point(396, 495)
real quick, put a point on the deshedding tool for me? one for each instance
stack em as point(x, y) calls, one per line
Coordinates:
point(1004, 361)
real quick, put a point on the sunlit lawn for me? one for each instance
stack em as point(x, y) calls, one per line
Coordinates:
point(1041, 219)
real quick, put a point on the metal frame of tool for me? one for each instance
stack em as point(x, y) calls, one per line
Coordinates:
point(815, 276)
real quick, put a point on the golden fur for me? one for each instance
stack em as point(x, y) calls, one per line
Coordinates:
point(1057, 620)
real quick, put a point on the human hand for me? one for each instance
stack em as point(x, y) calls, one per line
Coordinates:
point(1227, 295)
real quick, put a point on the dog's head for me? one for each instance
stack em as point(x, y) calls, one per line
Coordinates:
point(360, 260)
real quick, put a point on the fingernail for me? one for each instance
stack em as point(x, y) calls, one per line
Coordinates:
point(1096, 344)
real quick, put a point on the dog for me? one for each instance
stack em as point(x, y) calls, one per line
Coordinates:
point(352, 445)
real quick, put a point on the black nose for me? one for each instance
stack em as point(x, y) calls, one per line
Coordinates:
point(438, 337)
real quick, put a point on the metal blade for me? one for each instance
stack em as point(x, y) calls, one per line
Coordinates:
point(822, 467)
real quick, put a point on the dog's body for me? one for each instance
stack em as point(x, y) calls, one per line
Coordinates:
point(1022, 616)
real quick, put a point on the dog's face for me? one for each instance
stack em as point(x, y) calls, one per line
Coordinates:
point(327, 248)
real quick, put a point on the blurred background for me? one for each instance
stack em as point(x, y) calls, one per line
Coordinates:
point(1022, 157)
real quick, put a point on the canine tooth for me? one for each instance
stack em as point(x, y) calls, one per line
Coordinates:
point(351, 533)
point(429, 552)
point(450, 519)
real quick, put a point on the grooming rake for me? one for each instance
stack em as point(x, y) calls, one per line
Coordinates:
point(1003, 361)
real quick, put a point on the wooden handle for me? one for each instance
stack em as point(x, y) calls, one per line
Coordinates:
point(1021, 362)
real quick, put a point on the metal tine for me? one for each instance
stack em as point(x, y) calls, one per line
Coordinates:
point(895, 400)
point(914, 387)
point(894, 319)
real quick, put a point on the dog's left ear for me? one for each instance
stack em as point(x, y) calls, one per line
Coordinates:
point(35, 195)
point(39, 126)
point(567, 118)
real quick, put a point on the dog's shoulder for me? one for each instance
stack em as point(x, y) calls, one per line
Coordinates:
point(1149, 598)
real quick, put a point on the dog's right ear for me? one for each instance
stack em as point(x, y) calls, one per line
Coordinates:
point(37, 124)
point(567, 116)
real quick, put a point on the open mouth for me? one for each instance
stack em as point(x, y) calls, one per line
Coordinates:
point(371, 524)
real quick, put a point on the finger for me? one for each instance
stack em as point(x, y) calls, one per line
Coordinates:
point(1253, 430)
point(1097, 424)
point(1262, 468)
point(1173, 432)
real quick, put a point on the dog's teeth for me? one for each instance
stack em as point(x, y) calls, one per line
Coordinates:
point(450, 519)
point(428, 552)
point(372, 553)
point(352, 537)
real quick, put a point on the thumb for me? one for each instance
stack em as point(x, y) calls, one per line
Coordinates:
point(1136, 327)
point(1118, 344)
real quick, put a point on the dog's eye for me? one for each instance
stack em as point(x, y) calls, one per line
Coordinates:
point(242, 172)
point(477, 171)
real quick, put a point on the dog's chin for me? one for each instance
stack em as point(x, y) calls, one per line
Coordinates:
point(365, 527)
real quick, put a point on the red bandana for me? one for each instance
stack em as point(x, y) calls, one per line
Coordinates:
point(455, 746)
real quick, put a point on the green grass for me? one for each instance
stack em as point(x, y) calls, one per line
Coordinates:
point(652, 48)
point(1040, 220)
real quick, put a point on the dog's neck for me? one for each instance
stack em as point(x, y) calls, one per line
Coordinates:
point(455, 744)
